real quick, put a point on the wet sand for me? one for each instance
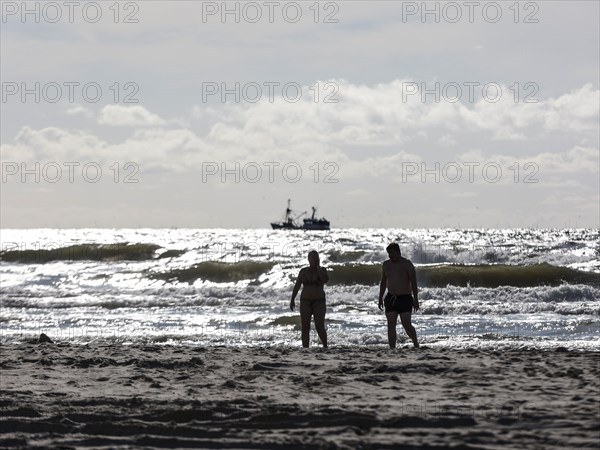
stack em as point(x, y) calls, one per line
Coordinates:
point(158, 396)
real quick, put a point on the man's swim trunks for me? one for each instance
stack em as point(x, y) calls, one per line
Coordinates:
point(398, 303)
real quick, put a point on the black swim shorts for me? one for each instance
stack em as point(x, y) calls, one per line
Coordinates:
point(398, 303)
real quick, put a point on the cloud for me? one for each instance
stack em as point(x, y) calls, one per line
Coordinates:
point(80, 110)
point(378, 122)
point(53, 144)
point(128, 116)
point(376, 117)
point(577, 110)
point(394, 114)
point(570, 161)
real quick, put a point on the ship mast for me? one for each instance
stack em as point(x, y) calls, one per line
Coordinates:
point(288, 213)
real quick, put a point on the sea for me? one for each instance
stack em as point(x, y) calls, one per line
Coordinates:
point(491, 288)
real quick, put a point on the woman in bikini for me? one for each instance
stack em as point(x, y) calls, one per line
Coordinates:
point(312, 298)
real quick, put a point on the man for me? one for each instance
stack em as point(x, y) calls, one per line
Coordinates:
point(312, 298)
point(400, 279)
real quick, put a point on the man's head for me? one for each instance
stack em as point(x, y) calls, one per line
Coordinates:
point(393, 251)
point(313, 258)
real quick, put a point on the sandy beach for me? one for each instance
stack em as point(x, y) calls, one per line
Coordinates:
point(159, 396)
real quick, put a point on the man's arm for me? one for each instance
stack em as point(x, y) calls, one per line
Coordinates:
point(412, 275)
point(382, 286)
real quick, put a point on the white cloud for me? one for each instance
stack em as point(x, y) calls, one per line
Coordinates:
point(128, 116)
point(570, 161)
point(578, 110)
point(53, 144)
point(80, 110)
point(385, 115)
point(375, 117)
point(447, 140)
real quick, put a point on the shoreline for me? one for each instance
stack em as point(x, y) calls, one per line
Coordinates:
point(162, 396)
point(287, 340)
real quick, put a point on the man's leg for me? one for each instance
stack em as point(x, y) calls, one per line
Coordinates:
point(408, 327)
point(319, 313)
point(305, 315)
point(392, 320)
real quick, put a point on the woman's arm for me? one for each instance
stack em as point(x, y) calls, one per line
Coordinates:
point(296, 289)
point(323, 276)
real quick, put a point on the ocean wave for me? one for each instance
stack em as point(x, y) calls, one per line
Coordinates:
point(568, 248)
point(336, 256)
point(287, 320)
point(479, 275)
point(366, 274)
point(123, 251)
point(345, 302)
point(217, 272)
point(563, 300)
point(495, 275)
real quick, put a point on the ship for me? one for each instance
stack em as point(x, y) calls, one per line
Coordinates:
point(290, 222)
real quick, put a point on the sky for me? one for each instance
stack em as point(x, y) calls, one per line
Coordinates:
point(379, 113)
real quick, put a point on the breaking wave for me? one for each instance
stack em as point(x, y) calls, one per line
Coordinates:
point(480, 275)
point(217, 272)
point(81, 252)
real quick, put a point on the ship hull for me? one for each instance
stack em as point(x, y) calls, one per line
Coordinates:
point(310, 227)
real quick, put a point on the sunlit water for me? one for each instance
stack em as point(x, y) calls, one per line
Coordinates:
point(244, 300)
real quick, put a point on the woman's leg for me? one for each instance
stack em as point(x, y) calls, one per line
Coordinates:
point(319, 312)
point(305, 314)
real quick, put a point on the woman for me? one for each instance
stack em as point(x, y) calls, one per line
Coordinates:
point(312, 298)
